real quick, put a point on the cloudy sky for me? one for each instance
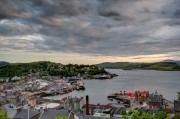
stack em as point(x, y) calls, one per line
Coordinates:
point(89, 31)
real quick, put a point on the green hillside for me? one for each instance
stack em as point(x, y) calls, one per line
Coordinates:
point(163, 66)
point(43, 68)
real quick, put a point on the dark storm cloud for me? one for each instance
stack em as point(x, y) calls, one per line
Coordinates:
point(172, 10)
point(13, 9)
point(96, 27)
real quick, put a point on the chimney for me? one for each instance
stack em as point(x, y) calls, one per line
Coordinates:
point(41, 109)
point(120, 92)
point(87, 105)
point(124, 92)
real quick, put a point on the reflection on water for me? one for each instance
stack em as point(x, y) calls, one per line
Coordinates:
point(165, 82)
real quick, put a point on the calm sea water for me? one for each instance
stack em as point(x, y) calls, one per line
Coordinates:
point(165, 82)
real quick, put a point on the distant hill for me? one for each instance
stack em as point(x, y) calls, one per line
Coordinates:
point(174, 61)
point(3, 63)
point(46, 68)
point(163, 66)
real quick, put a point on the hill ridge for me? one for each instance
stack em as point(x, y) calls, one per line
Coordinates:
point(162, 66)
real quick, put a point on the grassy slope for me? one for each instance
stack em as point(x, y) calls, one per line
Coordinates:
point(164, 66)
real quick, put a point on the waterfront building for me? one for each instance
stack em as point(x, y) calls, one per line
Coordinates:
point(177, 106)
point(141, 96)
point(155, 101)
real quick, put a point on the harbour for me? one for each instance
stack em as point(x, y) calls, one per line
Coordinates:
point(166, 83)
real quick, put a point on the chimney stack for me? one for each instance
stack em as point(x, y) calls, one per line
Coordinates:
point(87, 105)
point(124, 92)
point(41, 109)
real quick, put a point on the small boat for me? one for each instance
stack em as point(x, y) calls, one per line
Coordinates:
point(111, 99)
point(112, 96)
point(61, 92)
point(81, 88)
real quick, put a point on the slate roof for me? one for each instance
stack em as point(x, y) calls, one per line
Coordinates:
point(90, 117)
point(52, 114)
point(11, 112)
point(10, 109)
point(23, 114)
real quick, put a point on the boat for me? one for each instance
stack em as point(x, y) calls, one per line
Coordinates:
point(111, 99)
point(51, 93)
point(80, 86)
point(112, 96)
point(103, 77)
point(121, 95)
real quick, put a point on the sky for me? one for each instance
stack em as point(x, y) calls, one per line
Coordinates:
point(89, 31)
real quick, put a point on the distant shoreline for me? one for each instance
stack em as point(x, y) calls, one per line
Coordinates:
point(158, 66)
point(142, 69)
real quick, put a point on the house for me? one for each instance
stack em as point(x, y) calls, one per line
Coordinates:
point(103, 113)
point(12, 98)
point(23, 114)
point(155, 101)
point(141, 96)
point(177, 106)
point(47, 106)
point(1, 87)
point(90, 117)
point(16, 78)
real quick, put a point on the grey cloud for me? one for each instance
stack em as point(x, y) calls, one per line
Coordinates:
point(10, 10)
point(110, 14)
point(19, 8)
point(59, 7)
point(95, 27)
point(172, 10)
point(142, 57)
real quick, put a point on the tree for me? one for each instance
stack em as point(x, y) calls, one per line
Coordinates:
point(63, 117)
point(3, 115)
point(178, 95)
point(80, 110)
point(1, 104)
point(130, 113)
point(177, 116)
point(160, 115)
point(146, 116)
point(125, 117)
point(123, 112)
point(136, 115)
